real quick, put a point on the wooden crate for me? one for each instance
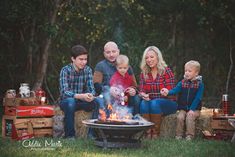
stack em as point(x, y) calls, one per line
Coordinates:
point(40, 125)
point(47, 132)
point(224, 134)
point(29, 111)
point(221, 123)
point(32, 101)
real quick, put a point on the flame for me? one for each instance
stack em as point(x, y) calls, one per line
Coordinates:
point(110, 107)
point(127, 117)
point(102, 115)
point(113, 116)
point(111, 113)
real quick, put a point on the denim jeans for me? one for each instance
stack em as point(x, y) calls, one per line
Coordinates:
point(134, 104)
point(70, 106)
point(158, 106)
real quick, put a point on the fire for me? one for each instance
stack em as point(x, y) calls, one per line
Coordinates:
point(127, 117)
point(102, 115)
point(110, 107)
point(113, 116)
point(112, 113)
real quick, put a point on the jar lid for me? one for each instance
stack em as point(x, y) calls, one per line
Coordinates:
point(24, 84)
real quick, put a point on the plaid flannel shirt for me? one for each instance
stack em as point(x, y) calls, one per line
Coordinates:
point(73, 82)
point(152, 87)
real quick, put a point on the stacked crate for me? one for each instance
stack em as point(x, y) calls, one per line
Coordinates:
point(25, 118)
point(221, 127)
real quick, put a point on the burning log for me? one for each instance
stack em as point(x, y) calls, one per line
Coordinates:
point(117, 122)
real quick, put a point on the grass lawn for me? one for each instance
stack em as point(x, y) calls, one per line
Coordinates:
point(163, 147)
point(86, 148)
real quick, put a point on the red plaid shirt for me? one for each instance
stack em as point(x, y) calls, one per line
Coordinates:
point(152, 87)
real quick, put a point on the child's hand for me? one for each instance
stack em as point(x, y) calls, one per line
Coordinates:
point(191, 113)
point(131, 91)
point(115, 92)
point(125, 98)
point(164, 91)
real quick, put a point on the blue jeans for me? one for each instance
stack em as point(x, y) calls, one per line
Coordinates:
point(70, 106)
point(134, 104)
point(158, 106)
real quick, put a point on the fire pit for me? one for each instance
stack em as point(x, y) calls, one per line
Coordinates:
point(117, 133)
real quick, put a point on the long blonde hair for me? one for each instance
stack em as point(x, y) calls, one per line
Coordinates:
point(161, 65)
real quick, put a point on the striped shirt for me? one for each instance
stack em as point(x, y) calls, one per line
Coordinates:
point(152, 86)
point(73, 82)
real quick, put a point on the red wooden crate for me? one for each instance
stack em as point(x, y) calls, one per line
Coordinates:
point(29, 111)
point(23, 128)
point(31, 101)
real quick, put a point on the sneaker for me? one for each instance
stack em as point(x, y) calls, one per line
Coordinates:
point(178, 137)
point(188, 138)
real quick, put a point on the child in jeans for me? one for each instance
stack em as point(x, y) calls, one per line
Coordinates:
point(190, 91)
point(122, 84)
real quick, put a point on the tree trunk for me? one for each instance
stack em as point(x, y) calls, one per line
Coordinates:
point(41, 72)
point(231, 63)
point(30, 50)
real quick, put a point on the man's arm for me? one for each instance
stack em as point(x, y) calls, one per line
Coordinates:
point(98, 77)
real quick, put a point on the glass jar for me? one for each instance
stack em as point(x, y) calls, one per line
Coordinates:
point(41, 96)
point(10, 93)
point(24, 90)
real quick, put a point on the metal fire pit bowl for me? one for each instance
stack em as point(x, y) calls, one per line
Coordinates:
point(118, 136)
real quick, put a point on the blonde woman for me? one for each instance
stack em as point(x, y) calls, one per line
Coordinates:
point(155, 75)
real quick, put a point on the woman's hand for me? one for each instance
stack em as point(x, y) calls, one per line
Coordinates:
point(144, 96)
point(164, 91)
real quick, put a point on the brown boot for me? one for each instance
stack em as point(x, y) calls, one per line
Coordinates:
point(157, 120)
point(148, 133)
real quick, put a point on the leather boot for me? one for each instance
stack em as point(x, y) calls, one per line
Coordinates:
point(157, 120)
point(148, 133)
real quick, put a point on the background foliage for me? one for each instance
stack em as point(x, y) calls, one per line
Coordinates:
point(202, 30)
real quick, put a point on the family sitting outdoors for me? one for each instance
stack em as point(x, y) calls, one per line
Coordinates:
point(114, 78)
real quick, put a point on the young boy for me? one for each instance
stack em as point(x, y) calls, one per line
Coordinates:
point(121, 83)
point(76, 88)
point(190, 91)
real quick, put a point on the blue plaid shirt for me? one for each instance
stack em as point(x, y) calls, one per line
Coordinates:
point(73, 82)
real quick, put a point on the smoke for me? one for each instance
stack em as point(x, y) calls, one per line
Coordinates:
point(121, 110)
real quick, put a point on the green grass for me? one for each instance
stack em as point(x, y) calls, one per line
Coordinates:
point(150, 148)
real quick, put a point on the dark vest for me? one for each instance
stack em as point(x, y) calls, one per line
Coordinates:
point(188, 93)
